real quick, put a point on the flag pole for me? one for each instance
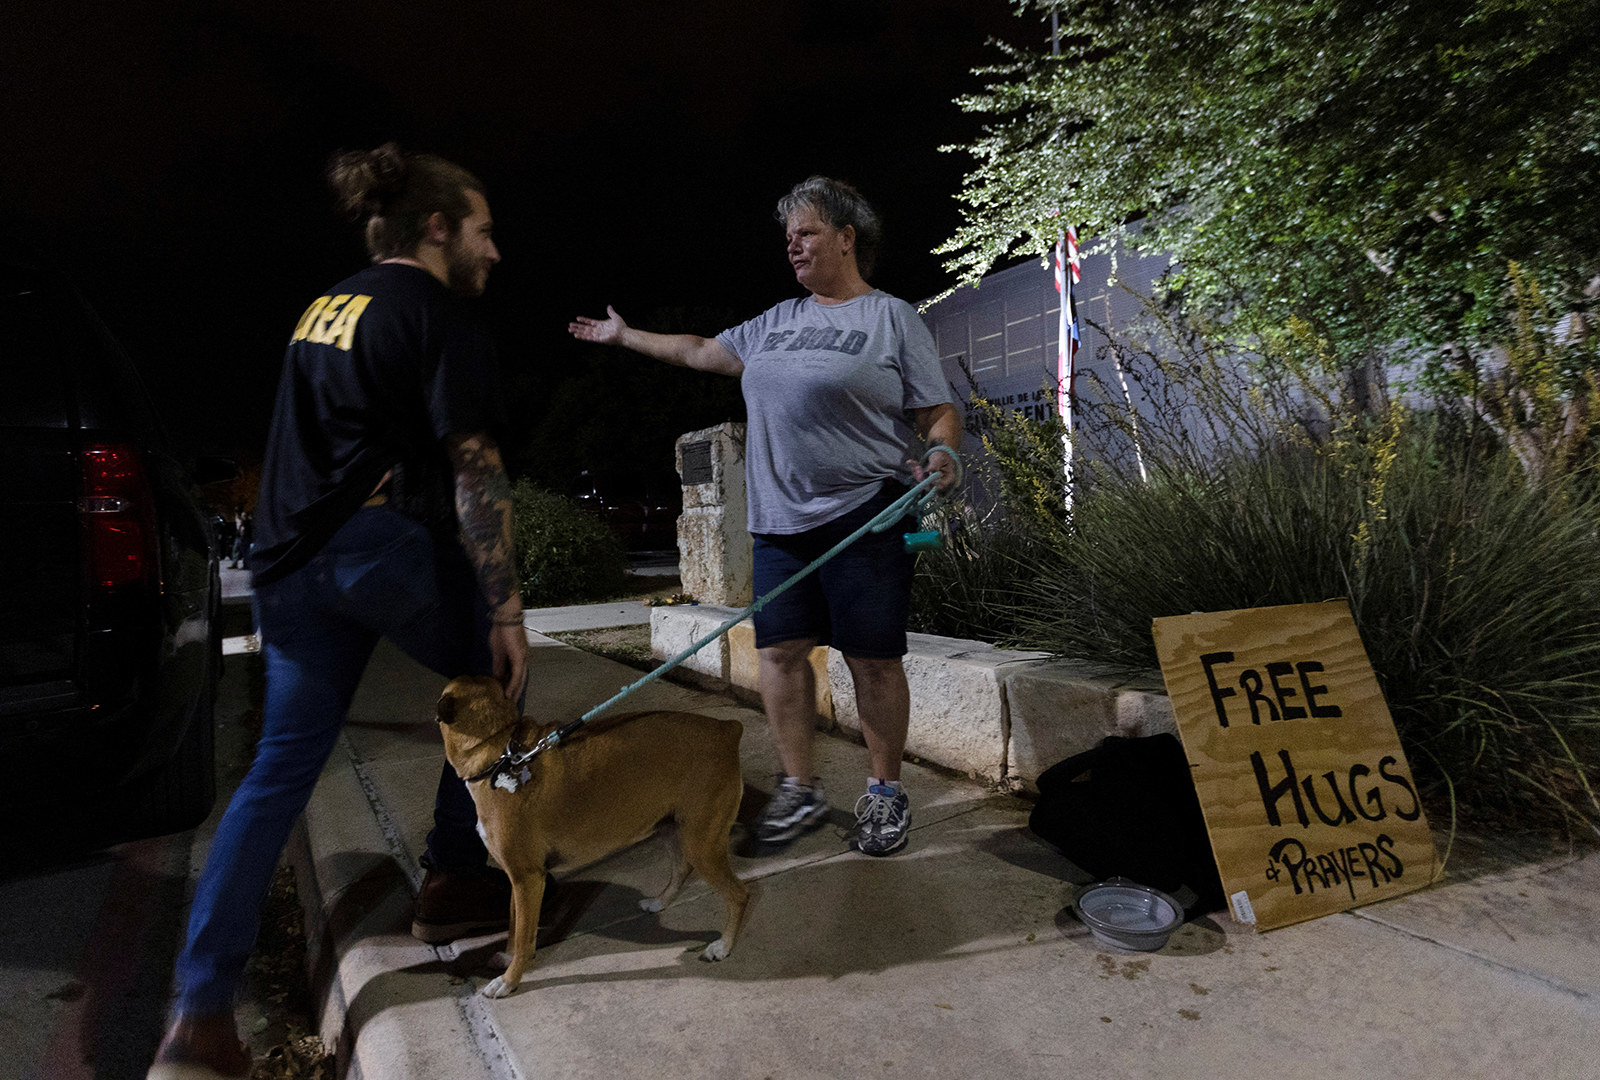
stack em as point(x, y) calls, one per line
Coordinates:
point(1067, 275)
point(1066, 271)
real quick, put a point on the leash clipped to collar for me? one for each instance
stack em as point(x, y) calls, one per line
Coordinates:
point(510, 771)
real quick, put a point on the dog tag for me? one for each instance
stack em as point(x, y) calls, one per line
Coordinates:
point(511, 783)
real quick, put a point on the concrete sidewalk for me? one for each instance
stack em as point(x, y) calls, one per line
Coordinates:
point(958, 957)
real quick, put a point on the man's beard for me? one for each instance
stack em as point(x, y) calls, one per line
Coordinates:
point(464, 274)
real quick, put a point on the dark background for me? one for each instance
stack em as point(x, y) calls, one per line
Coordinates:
point(170, 156)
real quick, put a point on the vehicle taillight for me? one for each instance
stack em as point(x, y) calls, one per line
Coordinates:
point(118, 517)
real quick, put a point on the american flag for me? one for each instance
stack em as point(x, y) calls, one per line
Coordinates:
point(1067, 353)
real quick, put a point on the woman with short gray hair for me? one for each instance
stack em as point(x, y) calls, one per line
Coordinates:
point(841, 206)
point(836, 384)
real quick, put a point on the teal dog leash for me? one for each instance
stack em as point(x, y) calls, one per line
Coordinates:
point(918, 500)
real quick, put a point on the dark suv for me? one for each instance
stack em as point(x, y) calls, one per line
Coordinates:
point(109, 646)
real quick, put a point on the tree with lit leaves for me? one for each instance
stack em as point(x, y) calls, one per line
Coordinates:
point(1371, 167)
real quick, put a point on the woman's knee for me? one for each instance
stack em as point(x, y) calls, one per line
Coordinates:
point(876, 671)
point(787, 657)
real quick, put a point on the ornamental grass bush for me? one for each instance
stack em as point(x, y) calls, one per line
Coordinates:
point(973, 584)
point(564, 554)
point(1243, 480)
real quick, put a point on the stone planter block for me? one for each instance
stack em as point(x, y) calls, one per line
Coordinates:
point(957, 710)
point(991, 713)
point(744, 669)
point(675, 628)
point(1058, 708)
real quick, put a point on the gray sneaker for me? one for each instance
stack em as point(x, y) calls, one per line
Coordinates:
point(883, 820)
point(794, 809)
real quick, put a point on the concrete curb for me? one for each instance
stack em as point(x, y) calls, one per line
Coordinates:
point(358, 881)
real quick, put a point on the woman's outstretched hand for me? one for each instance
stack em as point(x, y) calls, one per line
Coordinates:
point(607, 331)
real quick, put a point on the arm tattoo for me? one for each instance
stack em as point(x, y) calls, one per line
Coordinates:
point(483, 506)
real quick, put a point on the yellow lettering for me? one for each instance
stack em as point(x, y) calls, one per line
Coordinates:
point(304, 326)
point(319, 333)
point(343, 331)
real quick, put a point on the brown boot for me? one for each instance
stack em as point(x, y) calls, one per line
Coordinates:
point(201, 1048)
point(456, 905)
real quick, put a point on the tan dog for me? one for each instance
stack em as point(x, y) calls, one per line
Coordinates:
point(606, 787)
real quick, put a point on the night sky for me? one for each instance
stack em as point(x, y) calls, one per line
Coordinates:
point(170, 157)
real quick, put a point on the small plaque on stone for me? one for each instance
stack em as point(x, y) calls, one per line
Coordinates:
point(697, 463)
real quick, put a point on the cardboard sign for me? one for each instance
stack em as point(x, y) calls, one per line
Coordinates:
point(1307, 795)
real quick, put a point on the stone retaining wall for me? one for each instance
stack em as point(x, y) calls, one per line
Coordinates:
point(995, 714)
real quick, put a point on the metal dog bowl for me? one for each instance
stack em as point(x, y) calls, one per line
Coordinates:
point(1127, 915)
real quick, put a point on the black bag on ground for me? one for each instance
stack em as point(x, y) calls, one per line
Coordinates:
point(1135, 815)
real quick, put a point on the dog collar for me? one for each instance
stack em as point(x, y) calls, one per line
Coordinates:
point(510, 770)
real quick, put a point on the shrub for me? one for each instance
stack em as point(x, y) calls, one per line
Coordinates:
point(564, 555)
point(971, 586)
point(1475, 581)
point(974, 584)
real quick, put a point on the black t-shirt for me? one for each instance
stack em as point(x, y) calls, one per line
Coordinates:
point(379, 371)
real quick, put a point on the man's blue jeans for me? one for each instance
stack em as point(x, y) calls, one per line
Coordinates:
point(382, 575)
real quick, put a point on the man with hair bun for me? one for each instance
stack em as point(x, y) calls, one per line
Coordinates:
point(385, 511)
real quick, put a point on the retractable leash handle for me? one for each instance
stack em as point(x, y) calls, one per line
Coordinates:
point(918, 499)
point(931, 539)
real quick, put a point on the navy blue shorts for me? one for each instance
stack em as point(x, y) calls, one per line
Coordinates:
point(858, 601)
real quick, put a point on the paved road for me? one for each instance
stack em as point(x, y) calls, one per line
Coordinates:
point(87, 943)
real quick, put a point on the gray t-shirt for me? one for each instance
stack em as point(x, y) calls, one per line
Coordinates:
point(828, 389)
